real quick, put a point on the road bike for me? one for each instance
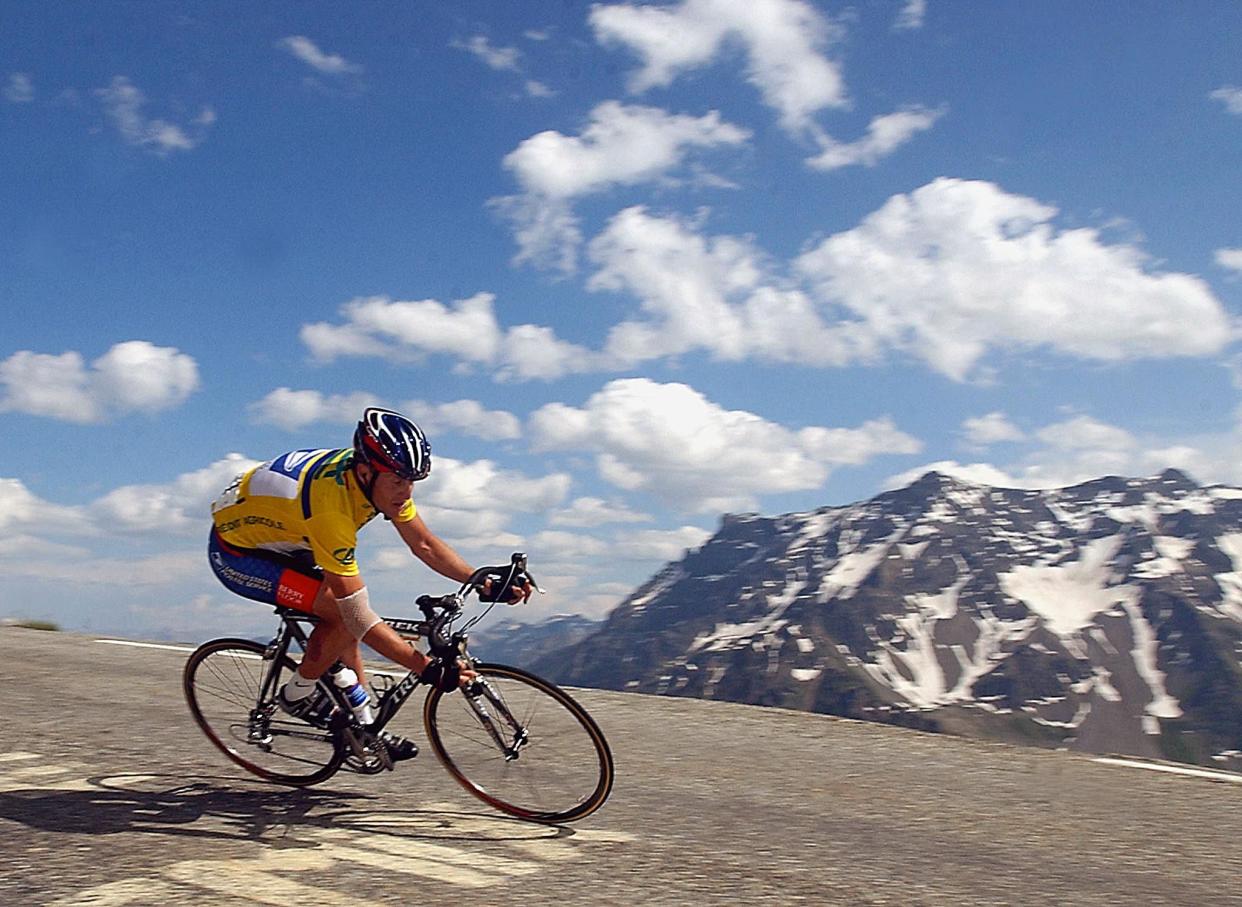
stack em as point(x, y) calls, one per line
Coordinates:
point(514, 740)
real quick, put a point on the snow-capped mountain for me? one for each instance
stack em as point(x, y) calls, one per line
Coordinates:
point(1105, 617)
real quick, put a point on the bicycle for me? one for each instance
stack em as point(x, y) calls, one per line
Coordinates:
point(514, 740)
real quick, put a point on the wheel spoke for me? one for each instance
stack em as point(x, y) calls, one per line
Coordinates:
point(563, 773)
point(223, 683)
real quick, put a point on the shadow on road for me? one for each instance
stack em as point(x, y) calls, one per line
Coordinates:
point(217, 808)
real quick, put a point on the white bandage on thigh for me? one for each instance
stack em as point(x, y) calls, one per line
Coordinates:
point(356, 613)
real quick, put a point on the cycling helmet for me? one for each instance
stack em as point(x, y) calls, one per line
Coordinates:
point(389, 442)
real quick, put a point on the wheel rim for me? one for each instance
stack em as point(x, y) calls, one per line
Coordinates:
point(564, 769)
point(222, 686)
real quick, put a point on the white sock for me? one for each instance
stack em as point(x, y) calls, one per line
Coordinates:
point(299, 687)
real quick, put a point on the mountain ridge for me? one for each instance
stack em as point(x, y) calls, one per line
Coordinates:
point(1105, 616)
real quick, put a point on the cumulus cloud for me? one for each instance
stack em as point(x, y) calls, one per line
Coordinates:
point(672, 441)
point(466, 330)
point(958, 267)
point(995, 427)
point(19, 89)
point(885, 134)
point(1081, 448)
point(180, 506)
point(712, 294)
point(292, 410)
point(587, 512)
point(1230, 96)
point(131, 376)
point(22, 509)
point(123, 102)
point(1230, 258)
point(621, 145)
point(468, 417)
point(659, 544)
point(911, 15)
point(784, 42)
point(295, 409)
point(947, 273)
point(308, 52)
point(472, 503)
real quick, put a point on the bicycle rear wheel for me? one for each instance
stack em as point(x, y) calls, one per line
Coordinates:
point(522, 745)
point(222, 682)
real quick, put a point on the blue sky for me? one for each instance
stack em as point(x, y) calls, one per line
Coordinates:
point(632, 265)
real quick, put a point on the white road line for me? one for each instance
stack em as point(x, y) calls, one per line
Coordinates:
point(144, 645)
point(1173, 769)
point(17, 757)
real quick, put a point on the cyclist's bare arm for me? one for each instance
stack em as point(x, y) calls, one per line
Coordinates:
point(432, 550)
point(382, 638)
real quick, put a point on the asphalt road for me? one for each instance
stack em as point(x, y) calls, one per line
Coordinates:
point(109, 795)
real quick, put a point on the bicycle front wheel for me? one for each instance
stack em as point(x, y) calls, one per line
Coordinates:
point(224, 682)
point(521, 744)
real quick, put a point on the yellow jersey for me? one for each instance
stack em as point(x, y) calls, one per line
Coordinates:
point(302, 500)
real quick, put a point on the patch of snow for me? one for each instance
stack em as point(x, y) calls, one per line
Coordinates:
point(1231, 583)
point(1068, 596)
point(805, 673)
point(850, 570)
point(943, 604)
point(1223, 493)
point(1162, 705)
point(805, 645)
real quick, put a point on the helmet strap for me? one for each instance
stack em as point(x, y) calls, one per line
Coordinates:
point(367, 486)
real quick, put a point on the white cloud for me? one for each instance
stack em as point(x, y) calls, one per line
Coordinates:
point(993, 428)
point(123, 102)
point(20, 508)
point(672, 441)
point(132, 376)
point(885, 134)
point(958, 267)
point(466, 330)
point(179, 506)
point(20, 89)
point(537, 89)
point(469, 417)
point(1081, 448)
point(291, 410)
point(557, 545)
point(911, 15)
point(713, 294)
point(1230, 258)
point(309, 53)
point(1230, 96)
point(622, 145)
point(1086, 433)
point(658, 544)
point(498, 58)
point(588, 512)
point(783, 40)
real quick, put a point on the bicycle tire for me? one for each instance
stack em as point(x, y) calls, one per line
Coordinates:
point(228, 673)
point(562, 773)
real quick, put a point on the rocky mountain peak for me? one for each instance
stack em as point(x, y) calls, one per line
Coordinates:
point(1102, 616)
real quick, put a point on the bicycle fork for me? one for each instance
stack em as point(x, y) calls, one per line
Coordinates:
point(476, 694)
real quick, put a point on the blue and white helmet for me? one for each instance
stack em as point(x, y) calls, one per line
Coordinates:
point(389, 442)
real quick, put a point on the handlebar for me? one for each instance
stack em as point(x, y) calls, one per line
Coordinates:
point(439, 611)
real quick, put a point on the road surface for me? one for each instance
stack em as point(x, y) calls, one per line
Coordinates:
point(109, 795)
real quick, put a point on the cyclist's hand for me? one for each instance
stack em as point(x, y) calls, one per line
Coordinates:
point(447, 677)
point(518, 592)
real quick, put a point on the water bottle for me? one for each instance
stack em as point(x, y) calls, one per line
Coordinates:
point(357, 696)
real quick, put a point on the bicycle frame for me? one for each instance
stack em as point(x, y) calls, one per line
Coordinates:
point(388, 702)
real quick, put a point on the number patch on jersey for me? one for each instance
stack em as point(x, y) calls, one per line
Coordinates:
point(228, 497)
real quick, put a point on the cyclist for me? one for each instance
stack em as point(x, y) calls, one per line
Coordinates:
point(284, 533)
